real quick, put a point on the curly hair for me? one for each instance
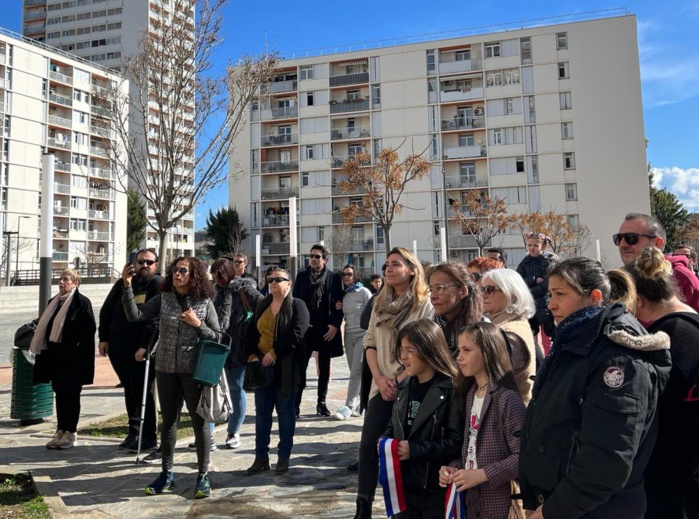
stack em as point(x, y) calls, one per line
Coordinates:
point(199, 287)
point(483, 264)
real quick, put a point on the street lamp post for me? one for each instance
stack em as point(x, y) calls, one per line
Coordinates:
point(19, 223)
point(9, 255)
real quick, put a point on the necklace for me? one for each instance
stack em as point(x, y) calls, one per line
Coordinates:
point(481, 388)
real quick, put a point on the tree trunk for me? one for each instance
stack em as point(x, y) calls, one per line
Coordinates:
point(162, 250)
point(387, 238)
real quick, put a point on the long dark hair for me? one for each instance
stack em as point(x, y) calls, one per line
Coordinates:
point(427, 338)
point(200, 287)
point(472, 304)
point(496, 359)
point(224, 268)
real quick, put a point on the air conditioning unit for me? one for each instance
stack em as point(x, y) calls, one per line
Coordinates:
point(477, 111)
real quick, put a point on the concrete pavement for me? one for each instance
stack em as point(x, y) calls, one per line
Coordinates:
point(97, 480)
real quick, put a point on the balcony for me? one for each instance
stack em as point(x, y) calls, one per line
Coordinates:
point(102, 112)
point(467, 65)
point(59, 143)
point(464, 152)
point(107, 194)
point(60, 121)
point(339, 160)
point(60, 211)
point(337, 218)
point(279, 139)
point(102, 131)
point(99, 90)
point(61, 188)
point(275, 166)
point(61, 234)
point(358, 190)
point(102, 173)
point(279, 113)
point(463, 123)
point(362, 245)
point(349, 79)
point(457, 95)
point(276, 87)
point(275, 221)
point(348, 105)
point(276, 248)
point(98, 215)
point(59, 165)
point(98, 235)
point(348, 133)
point(279, 193)
point(59, 256)
point(35, 15)
point(61, 100)
point(457, 182)
point(99, 151)
point(62, 78)
point(29, 3)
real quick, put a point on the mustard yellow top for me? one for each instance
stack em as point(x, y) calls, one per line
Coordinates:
point(265, 325)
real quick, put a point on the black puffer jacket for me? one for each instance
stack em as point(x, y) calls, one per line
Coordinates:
point(436, 435)
point(591, 425)
point(231, 312)
point(530, 269)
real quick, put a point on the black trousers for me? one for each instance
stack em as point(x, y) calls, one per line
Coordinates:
point(423, 504)
point(132, 374)
point(312, 341)
point(376, 419)
point(67, 403)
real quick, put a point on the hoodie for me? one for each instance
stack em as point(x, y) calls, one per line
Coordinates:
point(687, 281)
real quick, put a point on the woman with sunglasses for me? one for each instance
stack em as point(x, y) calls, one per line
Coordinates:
point(404, 299)
point(508, 304)
point(456, 300)
point(186, 315)
point(354, 300)
point(275, 338)
point(591, 425)
point(479, 266)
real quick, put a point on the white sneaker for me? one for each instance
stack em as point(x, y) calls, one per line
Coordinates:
point(233, 441)
point(355, 412)
point(68, 441)
point(343, 413)
point(53, 442)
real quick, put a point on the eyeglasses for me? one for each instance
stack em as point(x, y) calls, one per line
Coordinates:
point(407, 352)
point(238, 262)
point(315, 256)
point(147, 263)
point(181, 270)
point(275, 280)
point(347, 275)
point(631, 238)
point(438, 289)
point(476, 276)
point(489, 289)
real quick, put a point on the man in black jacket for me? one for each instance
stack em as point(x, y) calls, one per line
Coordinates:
point(320, 288)
point(126, 345)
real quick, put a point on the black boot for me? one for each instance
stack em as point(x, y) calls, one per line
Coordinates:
point(363, 509)
point(259, 465)
point(322, 409)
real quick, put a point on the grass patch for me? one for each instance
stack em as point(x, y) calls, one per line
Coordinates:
point(18, 500)
point(118, 427)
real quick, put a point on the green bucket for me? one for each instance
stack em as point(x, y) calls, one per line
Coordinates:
point(30, 403)
point(211, 358)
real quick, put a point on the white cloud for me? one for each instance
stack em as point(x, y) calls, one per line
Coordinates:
point(684, 183)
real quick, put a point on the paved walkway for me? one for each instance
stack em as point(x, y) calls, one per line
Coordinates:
point(97, 480)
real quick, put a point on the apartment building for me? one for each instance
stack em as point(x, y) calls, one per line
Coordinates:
point(547, 117)
point(52, 102)
point(105, 31)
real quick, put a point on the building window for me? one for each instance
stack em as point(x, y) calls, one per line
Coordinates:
point(309, 98)
point(375, 95)
point(567, 130)
point(431, 63)
point(571, 191)
point(308, 152)
point(566, 100)
point(463, 55)
point(492, 50)
point(379, 235)
point(525, 50)
point(573, 221)
point(561, 40)
point(569, 160)
point(304, 179)
point(509, 106)
point(519, 164)
point(3, 198)
point(563, 72)
point(306, 72)
point(353, 95)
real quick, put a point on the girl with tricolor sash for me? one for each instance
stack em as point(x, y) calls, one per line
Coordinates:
point(426, 423)
point(494, 414)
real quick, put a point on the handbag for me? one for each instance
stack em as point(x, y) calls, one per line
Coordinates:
point(516, 508)
point(25, 334)
point(215, 405)
point(211, 358)
point(257, 376)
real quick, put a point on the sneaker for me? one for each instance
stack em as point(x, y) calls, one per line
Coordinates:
point(343, 413)
point(233, 441)
point(203, 488)
point(146, 445)
point(67, 441)
point(53, 442)
point(165, 482)
point(193, 446)
point(355, 412)
point(153, 456)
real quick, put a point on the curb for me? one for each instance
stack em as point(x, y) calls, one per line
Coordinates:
point(43, 486)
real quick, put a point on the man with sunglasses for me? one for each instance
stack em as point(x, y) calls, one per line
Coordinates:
point(240, 263)
point(639, 231)
point(125, 343)
point(320, 288)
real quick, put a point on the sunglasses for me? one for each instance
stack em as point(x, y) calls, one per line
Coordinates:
point(238, 262)
point(275, 280)
point(347, 275)
point(147, 263)
point(181, 270)
point(476, 276)
point(490, 289)
point(315, 256)
point(631, 238)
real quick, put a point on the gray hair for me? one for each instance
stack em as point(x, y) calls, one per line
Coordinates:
point(515, 290)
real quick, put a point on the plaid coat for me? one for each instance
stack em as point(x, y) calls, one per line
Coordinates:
point(497, 451)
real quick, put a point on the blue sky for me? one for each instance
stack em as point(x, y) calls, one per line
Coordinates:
point(667, 36)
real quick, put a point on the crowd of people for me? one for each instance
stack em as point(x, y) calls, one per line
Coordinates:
point(570, 389)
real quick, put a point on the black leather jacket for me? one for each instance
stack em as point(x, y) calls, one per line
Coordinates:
point(437, 432)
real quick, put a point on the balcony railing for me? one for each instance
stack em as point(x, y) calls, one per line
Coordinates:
point(349, 79)
point(98, 215)
point(447, 67)
point(107, 194)
point(28, 3)
point(61, 77)
point(60, 121)
point(59, 256)
point(3, 83)
point(358, 190)
point(275, 248)
point(463, 123)
point(279, 113)
point(282, 86)
point(98, 235)
point(337, 218)
point(339, 160)
point(61, 188)
point(2, 107)
point(349, 105)
point(99, 90)
point(102, 131)
point(61, 211)
point(98, 150)
point(61, 166)
point(456, 182)
point(275, 221)
point(59, 143)
point(102, 173)
point(461, 241)
point(458, 95)
point(61, 234)
point(35, 15)
point(273, 167)
point(279, 193)
point(348, 133)
point(280, 138)
point(357, 245)
point(464, 152)
point(61, 100)
point(96, 110)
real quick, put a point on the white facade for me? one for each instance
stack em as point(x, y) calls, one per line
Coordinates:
point(50, 102)
point(547, 118)
point(104, 31)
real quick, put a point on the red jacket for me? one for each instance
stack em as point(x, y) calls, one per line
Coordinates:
point(687, 281)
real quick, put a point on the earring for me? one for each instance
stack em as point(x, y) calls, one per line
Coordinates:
point(510, 309)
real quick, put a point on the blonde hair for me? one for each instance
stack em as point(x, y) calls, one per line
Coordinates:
point(623, 289)
point(74, 275)
point(653, 275)
point(418, 286)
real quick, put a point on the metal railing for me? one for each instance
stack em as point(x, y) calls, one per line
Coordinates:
point(276, 139)
point(102, 173)
point(59, 256)
point(349, 79)
point(337, 218)
point(59, 143)
point(275, 221)
point(61, 100)
point(98, 235)
point(60, 121)
point(98, 215)
point(456, 182)
point(463, 123)
point(279, 193)
point(61, 188)
point(96, 110)
point(348, 133)
point(276, 87)
point(98, 150)
point(61, 166)
point(275, 248)
point(359, 245)
point(464, 152)
point(349, 105)
point(107, 194)
point(275, 166)
point(60, 211)
point(458, 95)
point(447, 67)
point(61, 77)
point(279, 113)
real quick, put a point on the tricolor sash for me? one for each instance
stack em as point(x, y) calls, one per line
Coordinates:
point(454, 504)
point(390, 476)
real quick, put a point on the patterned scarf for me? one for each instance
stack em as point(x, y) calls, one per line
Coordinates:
point(318, 285)
point(393, 312)
point(354, 288)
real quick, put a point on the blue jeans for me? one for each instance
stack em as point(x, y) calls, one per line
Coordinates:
point(240, 403)
point(265, 401)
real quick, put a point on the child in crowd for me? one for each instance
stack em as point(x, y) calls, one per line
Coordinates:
point(425, 420)
point(494, 412)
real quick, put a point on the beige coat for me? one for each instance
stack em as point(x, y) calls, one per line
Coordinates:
point(522, 367)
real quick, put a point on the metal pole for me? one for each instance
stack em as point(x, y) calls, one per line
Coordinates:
point(9, 256)
point(46, 238)
point(293, 237)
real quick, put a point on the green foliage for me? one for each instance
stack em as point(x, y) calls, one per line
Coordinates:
point(136, 221)
point(667, 208)
point(226, 231)
point(18, 500)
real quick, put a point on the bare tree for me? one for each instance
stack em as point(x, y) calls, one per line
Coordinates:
point(177, 124)
point(341, 243)
point(564, 239)
point(481, 216)
point(382, 186)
